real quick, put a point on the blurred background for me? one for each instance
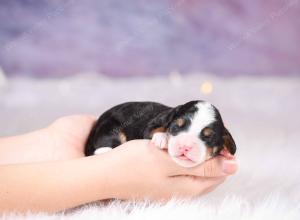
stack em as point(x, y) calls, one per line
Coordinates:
point(68, 57)
point(144, 38)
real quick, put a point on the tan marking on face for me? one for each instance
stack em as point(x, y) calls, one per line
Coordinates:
point(122, 137)
point(210, 152)
point(180, 122)
point(215, 149)
point(207, 132)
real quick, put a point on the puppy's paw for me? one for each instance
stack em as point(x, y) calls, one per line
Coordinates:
point(102, 150)
point(160, 140)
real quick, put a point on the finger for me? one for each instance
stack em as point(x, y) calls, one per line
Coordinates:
point(82, 119)
point(215, 167)
point(193, 186)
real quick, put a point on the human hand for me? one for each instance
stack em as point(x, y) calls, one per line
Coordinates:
point(140, 170)
point(135, 170)
point(67, 136)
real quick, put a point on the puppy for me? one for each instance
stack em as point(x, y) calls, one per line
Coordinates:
point(192, 132)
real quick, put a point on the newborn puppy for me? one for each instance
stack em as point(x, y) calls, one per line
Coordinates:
point(192, 133)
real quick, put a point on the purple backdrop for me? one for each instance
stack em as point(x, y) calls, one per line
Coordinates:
point(54, 38)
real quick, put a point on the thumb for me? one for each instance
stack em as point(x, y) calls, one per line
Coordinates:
point(215, 167)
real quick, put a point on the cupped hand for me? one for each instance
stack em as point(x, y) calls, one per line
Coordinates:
point(140, 170)
point(67, 136)
point(137, 168)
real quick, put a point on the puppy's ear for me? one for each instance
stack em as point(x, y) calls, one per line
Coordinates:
point(160, 122)
point(229, 143)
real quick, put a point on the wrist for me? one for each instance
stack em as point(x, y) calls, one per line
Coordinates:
point(111, 175)
point(103, 175)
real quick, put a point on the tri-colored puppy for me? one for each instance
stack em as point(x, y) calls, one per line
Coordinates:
point(192, 133)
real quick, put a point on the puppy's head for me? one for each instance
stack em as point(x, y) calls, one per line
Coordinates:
point(196, 133)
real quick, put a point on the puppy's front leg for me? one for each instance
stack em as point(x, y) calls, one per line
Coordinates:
point(160, 139)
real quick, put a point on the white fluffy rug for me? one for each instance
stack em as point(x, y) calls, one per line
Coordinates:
point(262, 114)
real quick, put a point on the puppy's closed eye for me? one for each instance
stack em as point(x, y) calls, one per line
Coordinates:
point(178, 125)
point(180, 122)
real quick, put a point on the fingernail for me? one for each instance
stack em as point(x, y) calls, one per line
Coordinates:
point(229, 166)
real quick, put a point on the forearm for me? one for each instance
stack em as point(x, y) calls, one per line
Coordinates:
point(24, 148)
point(52, 187)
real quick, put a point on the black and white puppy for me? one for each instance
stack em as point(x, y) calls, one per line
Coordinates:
point(192, 133)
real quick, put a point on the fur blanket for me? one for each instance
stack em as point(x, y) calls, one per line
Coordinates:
point(262, 114)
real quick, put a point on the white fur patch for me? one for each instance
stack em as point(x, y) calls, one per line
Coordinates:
point(204, 116)
point(102, 150)
point(160, 140)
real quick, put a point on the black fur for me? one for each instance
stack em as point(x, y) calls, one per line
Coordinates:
point(137, 120)
point(131, 118)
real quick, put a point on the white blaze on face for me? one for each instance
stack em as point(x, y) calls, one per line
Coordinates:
point(204, 116)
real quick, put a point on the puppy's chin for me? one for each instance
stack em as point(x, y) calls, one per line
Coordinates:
point(186, 162)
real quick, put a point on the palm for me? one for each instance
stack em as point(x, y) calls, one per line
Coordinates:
point(68, 135)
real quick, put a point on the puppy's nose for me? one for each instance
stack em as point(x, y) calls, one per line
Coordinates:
point(184, 149)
